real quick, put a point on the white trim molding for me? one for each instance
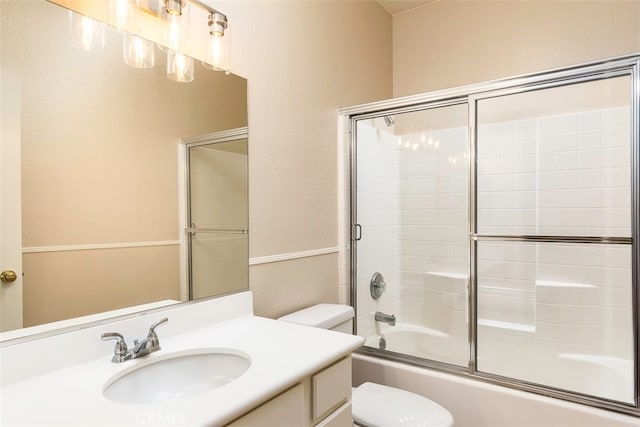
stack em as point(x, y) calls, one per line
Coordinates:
point(292, 255)
point(93, 246)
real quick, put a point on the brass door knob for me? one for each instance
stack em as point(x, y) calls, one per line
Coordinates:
point(8, 276)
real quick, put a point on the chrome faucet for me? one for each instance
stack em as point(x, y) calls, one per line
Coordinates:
point(141, 348)
point(386, 318)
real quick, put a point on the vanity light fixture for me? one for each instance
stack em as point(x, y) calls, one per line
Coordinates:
point(218, 50)
point(137, 52)
point(177, 18)
point(85, 33)
point(174, 7)
point(88, 34)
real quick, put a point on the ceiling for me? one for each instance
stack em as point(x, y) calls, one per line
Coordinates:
point(397, 6)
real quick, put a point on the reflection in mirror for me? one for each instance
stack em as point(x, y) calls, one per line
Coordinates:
point(218, 214)
point(100, 142)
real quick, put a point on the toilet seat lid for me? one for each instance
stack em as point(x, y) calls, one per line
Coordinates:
point(376, 405)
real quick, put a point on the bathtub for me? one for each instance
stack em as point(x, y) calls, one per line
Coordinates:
point(476, 403)
point(602, 376)
point(421, 341)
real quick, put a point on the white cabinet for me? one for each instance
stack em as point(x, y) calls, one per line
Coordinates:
point(330, 388)
point(341, 417)
point(321, 400)
point(286, 409)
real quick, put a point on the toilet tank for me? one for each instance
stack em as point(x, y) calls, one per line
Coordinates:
point(337, 317)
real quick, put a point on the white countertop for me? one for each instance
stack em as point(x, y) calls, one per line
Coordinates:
point(281, 354)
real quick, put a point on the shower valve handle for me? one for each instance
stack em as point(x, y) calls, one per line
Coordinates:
point(377, 286)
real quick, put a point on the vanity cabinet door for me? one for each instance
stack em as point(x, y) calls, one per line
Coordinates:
point(321, 400)
point(331, 388)
point(341, 417)
point(287, 409)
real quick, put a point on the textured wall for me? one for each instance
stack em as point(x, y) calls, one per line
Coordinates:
point(451, 43)
point(303, 60)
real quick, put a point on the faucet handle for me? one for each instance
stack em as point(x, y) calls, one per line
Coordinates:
point(152, 328)
point(114, 336)
point(120, 350)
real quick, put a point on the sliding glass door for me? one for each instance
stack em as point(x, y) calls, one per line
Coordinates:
point(412, 214)
point(553, 236)
point(495, 228)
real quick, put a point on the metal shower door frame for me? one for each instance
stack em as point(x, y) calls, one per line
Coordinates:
point(471, 94)
point(187, 227)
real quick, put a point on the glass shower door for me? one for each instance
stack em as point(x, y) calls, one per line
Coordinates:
point(554, 237)
point(411, 215)
point(515, 259)
point(218, 218)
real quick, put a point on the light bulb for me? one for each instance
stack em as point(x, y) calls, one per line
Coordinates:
point(177, 28)
point(173, 32)
point(215, 51)
point(179, 67)
point(216, 54)
point(137, 52)
point(123, 14)
point(218, 51)
point(85, 33)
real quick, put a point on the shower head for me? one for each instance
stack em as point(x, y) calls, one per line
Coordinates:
point(389, 120)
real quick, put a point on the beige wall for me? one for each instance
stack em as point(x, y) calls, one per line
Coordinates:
point(304, 60)
point(62, 285)
point(451, 43)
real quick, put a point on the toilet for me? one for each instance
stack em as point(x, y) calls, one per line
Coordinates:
point(374, 405)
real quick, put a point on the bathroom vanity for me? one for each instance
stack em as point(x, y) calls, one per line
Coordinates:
point(323, 399)
point(288, 374)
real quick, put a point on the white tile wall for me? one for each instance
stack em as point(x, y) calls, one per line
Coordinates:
point(344, 211)
point(561, 175)
point(434, 237)
point(412, 204)
point(379, 198)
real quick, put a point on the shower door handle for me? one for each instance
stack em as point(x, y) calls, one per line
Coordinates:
point(357, 232)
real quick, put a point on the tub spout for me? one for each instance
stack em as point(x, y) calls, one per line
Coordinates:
point(386, 318)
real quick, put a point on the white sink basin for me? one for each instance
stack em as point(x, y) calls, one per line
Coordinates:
point(177, 375)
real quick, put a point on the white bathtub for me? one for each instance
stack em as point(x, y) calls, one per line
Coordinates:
point(478, 404)
point(420, 341)
point(602, 376)
point(545, 363)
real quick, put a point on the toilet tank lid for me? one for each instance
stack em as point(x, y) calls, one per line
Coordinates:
point(324, 316)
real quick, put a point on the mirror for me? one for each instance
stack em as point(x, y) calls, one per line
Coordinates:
point(103, 165)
